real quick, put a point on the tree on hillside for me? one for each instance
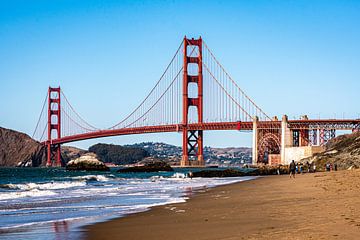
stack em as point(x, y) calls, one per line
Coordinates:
point(117, 154)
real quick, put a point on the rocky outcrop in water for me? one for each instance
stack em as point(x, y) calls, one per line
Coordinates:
point(18, 149)
point(87, 162)
point(120, 155)
point(70, 153)
point(149, 165)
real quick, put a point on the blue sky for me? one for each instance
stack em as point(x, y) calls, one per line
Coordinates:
point(291, 57)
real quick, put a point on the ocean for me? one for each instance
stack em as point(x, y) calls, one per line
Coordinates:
point(52, 203)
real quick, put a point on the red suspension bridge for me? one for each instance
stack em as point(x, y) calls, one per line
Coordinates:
point(194, 94)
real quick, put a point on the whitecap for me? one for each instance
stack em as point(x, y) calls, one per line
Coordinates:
point(43, 186)
point(179, 175)
point(99, 178)
point(31, 193)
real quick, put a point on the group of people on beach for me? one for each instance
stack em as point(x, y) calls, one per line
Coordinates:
point(299, 168)
point(330, 167)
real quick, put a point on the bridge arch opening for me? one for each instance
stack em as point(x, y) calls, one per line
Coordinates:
point(193, 90)
point(54, 119)
point(54, 106)
point(192, 50)
point(270, 143)
point(193, 114)
point(193, 69)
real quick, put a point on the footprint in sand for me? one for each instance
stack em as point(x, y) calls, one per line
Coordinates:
point(180, 211)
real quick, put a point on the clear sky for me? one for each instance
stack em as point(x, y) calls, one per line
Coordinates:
point(292, 57)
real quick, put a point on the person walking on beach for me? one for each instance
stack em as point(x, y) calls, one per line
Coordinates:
point(292, 169)
point(308, 166)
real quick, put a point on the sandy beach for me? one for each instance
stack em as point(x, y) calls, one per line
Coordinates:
point(323, 205)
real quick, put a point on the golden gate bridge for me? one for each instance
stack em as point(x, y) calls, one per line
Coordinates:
point(194, 94)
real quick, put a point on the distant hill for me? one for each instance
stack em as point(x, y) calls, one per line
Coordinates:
point(18, 149)
point(343, 150)
point(231, 156)
point(110, 153)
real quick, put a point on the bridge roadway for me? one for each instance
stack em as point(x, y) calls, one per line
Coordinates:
point(344, 124)
point(153, 129)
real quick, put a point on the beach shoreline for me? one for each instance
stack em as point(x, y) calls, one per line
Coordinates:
point(323, 205)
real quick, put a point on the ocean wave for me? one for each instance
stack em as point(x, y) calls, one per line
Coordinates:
point(175, 176)
point(179, 175)
point(42, 186)
point(8, 186)
point(22, 194)
point(99, 178)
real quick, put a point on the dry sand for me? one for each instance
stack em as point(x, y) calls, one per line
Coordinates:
point(312, 206)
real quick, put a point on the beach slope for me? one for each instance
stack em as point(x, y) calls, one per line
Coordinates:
point(312, 206)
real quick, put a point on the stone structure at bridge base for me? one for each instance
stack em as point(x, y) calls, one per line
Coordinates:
point(255, 141)
point(298, 153)
point(286, 138)
point(290, 152)
point(186, 162)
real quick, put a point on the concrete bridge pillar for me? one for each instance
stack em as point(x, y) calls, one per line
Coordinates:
point(255, 141)
point(286, 138)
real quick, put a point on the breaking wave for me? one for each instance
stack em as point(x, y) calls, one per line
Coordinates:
point(98, 178)
point(42, 186)
point(22, 194)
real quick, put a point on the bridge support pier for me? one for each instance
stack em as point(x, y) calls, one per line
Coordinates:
point(286, 138)
point(192, 139)
point(255, 140)
point(54, 126)
point(53, 152)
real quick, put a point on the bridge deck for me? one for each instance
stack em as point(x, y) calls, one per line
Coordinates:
point(344, 124)
point(154, 129)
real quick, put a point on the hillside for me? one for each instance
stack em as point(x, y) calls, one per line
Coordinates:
point(230, 156)
point(18, 149)
point(343, 150)
point(110, 153)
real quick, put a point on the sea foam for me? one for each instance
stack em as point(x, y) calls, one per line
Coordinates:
point(22, 194)
point(42, 186)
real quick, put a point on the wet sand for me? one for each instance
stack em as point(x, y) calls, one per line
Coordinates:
point(312, 206)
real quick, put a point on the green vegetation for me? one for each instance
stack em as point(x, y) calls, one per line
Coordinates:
point(117, 154)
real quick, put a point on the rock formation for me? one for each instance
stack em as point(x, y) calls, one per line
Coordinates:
point(343, 150)
point(149, 165)
point(18, 149)
point(70, 153)
point(87, 162)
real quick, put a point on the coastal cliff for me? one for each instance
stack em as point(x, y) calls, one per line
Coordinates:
point(18, 149)
point(343, 150)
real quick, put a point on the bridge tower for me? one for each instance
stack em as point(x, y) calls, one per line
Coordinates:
point(54, 126)
point(192, 139)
